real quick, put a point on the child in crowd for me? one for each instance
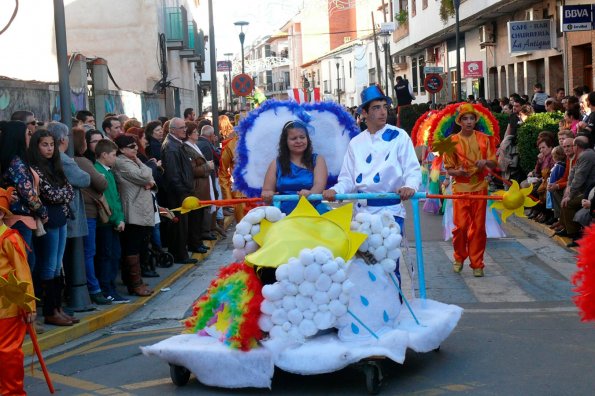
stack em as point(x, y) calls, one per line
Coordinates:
point(556, 173)
point(13, 317)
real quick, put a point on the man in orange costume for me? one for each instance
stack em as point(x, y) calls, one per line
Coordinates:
point(467, 164)
point(226, 168)
point(13, 319)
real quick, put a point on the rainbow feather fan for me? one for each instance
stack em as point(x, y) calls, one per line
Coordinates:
point(330, 127)
point(230, 309)
point(444, 124)
point(584, 278)
point(416, 135)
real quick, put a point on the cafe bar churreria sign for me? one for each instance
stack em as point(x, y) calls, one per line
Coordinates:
point(528, 36)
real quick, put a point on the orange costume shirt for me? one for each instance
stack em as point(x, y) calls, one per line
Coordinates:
point(469, 234)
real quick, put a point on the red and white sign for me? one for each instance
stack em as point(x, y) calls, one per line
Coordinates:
point(473, 69)
point(304, 95)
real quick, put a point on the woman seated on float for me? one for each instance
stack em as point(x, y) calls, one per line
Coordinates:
point(296, 170)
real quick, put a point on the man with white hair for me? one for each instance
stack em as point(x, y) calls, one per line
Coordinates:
point(179, 182)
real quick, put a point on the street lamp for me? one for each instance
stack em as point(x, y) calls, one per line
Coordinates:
point(338, 82)
point(457, 4)
point(385, 36)
point(241, 24)
point(228, 56)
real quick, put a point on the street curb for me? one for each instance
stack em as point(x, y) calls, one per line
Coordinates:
point(545, 230)
point(101, 319)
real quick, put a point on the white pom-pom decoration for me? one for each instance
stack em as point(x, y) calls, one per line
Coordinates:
point(265, 323)
point(255, 229)
point(387, 218)
point(321, 255)
point(339, 276)
point(247, 237)
point(334, 291)
point(340, 262)
point(273, 214)
point(375, 240)
point(362, 217)
point(320, 298)
point(238, 255)
point(364, 246)
point(323, 308)
point(376, 225)
point(290, 289)
point(354, 225)
point(307, 328)
point(307, 288)
point(308, 314)
point(388, 265)
point(282, 272)
point(277, 332)
point(330, 267)
point(243, 227)
point(344, 298)
point(391, 242)
point(380, 253)
point(238, 241)
point(288, 303)
point(323, 283)
point(385, 232)
point(279, 316)
point(296, 272)
point(303, 303)
point(306, 257)
point(251, 247)
point(254, 216)
point(323, 320)
point(267, 307)
point(347, 286)
point(312, 272)
point(394, 254)
point(286, 326)
point(295, 316)
point(272, 292)
point(337, 308)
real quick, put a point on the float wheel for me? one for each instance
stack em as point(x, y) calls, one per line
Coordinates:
point(179, 374)
point(373, 373)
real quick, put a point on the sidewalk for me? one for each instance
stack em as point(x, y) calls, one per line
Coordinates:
point(105, 315)
point(545, 230)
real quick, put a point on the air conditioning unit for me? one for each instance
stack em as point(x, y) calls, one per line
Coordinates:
point(430, 55)
point(346, 39)
point(486, 34)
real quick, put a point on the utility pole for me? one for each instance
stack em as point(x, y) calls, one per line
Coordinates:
point(213, 62)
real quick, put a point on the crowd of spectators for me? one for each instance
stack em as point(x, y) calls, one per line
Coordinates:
point(115, 193)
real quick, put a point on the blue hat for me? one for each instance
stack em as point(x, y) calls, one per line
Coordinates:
point(371, 93)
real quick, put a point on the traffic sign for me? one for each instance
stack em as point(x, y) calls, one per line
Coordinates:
point(242, 85)
point(223, 66)
point(433, 83)
point(433, 69)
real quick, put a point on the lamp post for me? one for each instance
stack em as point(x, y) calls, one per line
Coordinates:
point(241, 24)
point(338, 82)
point(385, 35)
point(228, 56)
point(457, 4)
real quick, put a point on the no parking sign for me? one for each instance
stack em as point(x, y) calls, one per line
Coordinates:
point(433, 83)
point(242, 85)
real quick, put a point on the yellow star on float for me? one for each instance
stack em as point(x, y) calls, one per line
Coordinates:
point(14, 291)
point(305, 228)
point(514, 201)
point(444, 146)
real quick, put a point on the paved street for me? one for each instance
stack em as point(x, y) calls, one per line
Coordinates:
point(519, 335)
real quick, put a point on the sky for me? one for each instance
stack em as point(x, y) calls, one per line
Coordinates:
point(264, 17)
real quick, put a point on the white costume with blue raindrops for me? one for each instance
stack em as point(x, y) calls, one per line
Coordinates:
point(381, 162)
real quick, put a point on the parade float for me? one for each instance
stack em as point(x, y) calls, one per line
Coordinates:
point(309, 293)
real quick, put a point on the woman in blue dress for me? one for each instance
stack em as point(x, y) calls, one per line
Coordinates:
point(297, 170)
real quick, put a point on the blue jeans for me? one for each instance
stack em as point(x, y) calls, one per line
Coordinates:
point(220, 209)
point(27, 235)
point(89, 245)
point(156, 237)
point(107, 258)
point(50, 251)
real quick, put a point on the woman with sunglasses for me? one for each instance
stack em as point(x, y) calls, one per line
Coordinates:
point(135, 181)
point(297, 169)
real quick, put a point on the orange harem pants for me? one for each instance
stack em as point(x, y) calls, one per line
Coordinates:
point(12, 371)
point(469, 234)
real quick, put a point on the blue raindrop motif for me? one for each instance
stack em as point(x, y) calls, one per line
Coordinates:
point(372, 276)
point(354, 328)
point(390, 134)
point(369, 159)
point(359, 205)
point(364, 301)
point(386, 158)
point(385, 316)
point(359, 178)
point(377, 178)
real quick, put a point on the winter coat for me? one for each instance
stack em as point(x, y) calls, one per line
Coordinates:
point(95, 190)
point(78, 178)
point(201, 173)
point(137, 202)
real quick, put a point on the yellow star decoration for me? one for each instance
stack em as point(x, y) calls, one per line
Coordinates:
point(305, 228)
point(444, 146)
point(514, 201)
point(13, 291)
